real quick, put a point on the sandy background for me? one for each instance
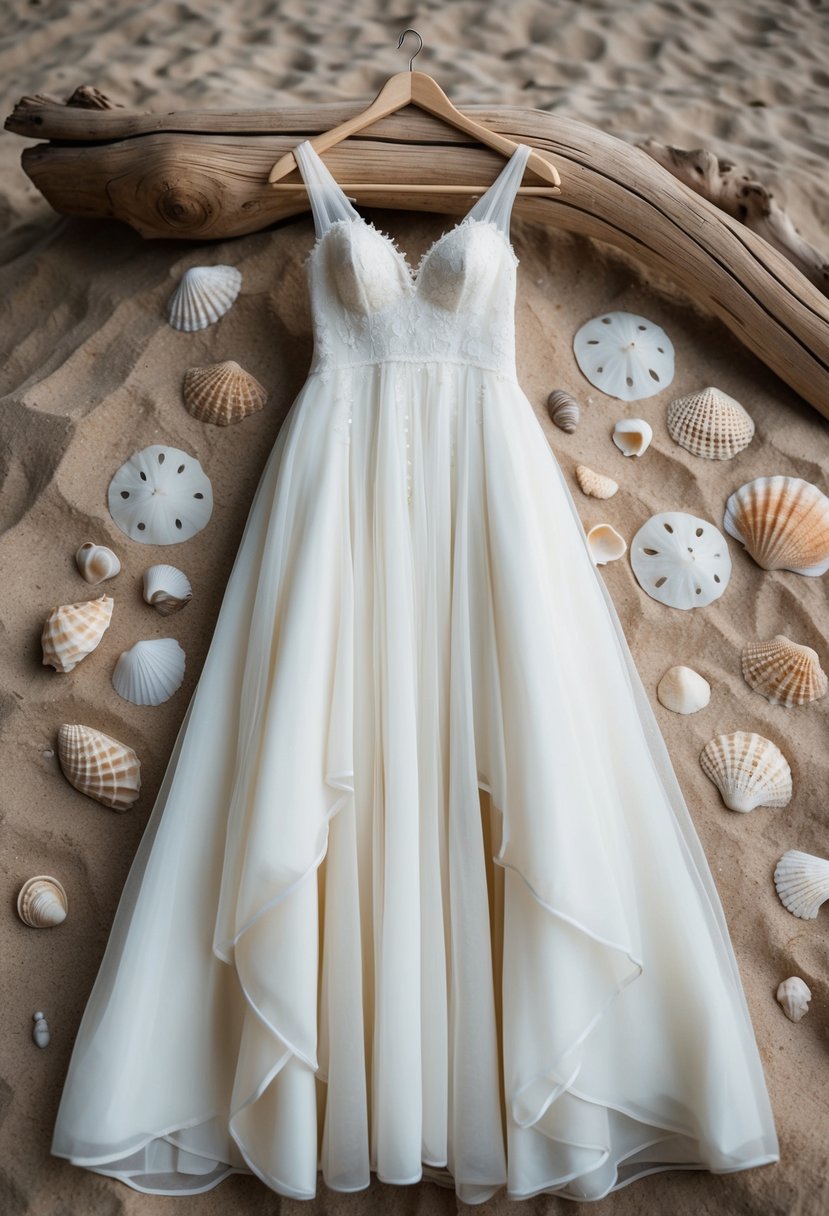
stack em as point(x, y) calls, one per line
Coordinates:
point(91, 372)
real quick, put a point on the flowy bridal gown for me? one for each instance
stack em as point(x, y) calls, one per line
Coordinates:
point(419, 894)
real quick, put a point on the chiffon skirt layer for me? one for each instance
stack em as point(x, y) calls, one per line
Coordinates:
point(419, 894)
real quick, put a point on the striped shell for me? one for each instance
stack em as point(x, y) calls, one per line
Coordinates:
point(222, 393)
point(802, 882)
point(596, 485)
point(564, 410)
point(710, 424)
point(748, 770)
point(42, 902)
point(72, 631)
point(203, 295)
point(783, 671)
point(99, 766)
point(783, 523)
point(150, 671)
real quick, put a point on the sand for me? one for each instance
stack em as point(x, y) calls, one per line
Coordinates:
point(91, 372)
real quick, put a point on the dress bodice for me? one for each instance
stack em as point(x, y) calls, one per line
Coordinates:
point(368, 303)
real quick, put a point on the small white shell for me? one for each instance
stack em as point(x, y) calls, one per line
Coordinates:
point(149, 672)
point(606, 545)
point(564, 410)
point(748, 770)
point(160, 496)
point(203, 295)
point(783, 671)
point(96, 562)
point(794, 996)
point(680, 560)
point(783, 523)
point(802, 882)
point(40, 1030)
point(42, 902)
point(683, 690)
point(596, 485)
point(72, 631)
point(167, 589)
point(625, 355)
point(710, 424)
point(99, 766)
point(632, 436)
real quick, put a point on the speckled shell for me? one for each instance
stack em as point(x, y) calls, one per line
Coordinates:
point(42, 902)
point(203, 295)
point(794, 995)
point(802, 882)
point(783, 523)
point(222, 393)
point(96, 562)
point(748, 770)
point(72, 631)
point(564, 410)
point(606, 545)
point(99, 766)
point(595, 485)
point(683, 690)
point(783, 671)
point(710, 424)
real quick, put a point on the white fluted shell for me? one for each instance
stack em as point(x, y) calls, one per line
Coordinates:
point(794, 995)
point(203, 295)
point(802, 882)
point(783, 671)
point(222, 393)
point(96, 562)
point(632, 436)
point(99, 766)
point(72, 631)
point(606, 545)
point(150, 671)
point(710, 424)
point(42, 902)
point(680, 560)
point(160, 496)
point(625, 355)
point(683, 690)
point(783, 523)
point(748, 770)
point(167, 588)
point(595, 485)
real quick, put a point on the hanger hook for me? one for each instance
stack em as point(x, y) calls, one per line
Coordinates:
point(417, 52)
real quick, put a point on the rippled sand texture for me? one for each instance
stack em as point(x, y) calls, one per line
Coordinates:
point(91, 372)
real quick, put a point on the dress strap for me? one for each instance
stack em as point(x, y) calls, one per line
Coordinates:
point(329, 202)
point(495, 204)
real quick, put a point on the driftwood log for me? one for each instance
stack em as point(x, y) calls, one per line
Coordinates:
point(202, 175)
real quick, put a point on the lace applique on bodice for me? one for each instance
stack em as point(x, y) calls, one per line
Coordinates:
point(369, 305)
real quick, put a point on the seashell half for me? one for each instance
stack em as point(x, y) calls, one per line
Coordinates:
point(680, 560)
point(96, 562)
point(40, 1030)
point(606, 545)
point(748, 770)
point(72, 631)
point(167, 589)
point(794, 996)
point(99, 766)
point(596, 485)
point(783, 671)
point(683, 690)
point(632, 436)
point(160, 496)
point(710, 424)
point(149, 672)
point(802, 882)
point(625, 355)
point(222, 393)
point(42, 902)
point(203, 295)
point(783, 523)
point(564, 410)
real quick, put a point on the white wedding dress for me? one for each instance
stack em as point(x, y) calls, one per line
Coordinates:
point(420, 894)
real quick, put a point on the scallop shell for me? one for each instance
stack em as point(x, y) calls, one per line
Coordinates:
point(632, 436)
point(683, 690)
point(794, 996)
point(42, 902)
point(680, 560)
point(40, 1030)
point(72, 631)
point(783, 671)
point(564, 410)
point(96, 563)
point(802, 882)
point(149, 672)
point(710, 424)
point(203, 295)
point(596, 485)
point(606, 545)
point(783, 523)
point(625, 355)
point(167, 589)
point(748, 770)
point(99, 766)
point(222, 393)
point(160, 496)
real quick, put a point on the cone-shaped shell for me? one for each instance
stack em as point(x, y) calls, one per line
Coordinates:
point(204, 294)
point(710, 424)
point(594, 484)
point(150, 671)
point(72, 631)
point(683, 690)
point(748, 770)
point(96, 562)
point(167, 589)
point(222, 393)
point(564, 410)
point(802, 882)
point(785, 672)
point(42, 902)
point(632, 436)
point(99, 766)
point(606, 545)
point(794, 996)
point(783, 523)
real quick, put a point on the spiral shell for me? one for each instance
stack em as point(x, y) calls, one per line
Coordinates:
point(710, 424)
point(783, 671)
point(606, 545)
point(42, 902)
point(748, 770)
point(595, 485)
point(794, 996)
point(802, 882)
point(96, 562)
point(222, 393)
point(783, 523)
point(167, 589)
point(72, 631)
point(203, 295)
point(564, 410)
point(99, 766)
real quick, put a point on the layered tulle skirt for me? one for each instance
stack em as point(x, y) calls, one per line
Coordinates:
point(419, 894)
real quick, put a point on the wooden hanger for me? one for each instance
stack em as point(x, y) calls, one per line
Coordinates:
point(416, 88)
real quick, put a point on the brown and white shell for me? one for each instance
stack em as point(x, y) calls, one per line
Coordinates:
point(748, 770)
point(783, 523)
point(783, 671)
point(99, 766)
point(96, 562)
point(42, 902)
point(595, 485)
point(710, 424)
point(222, 393)
point(794, 995)
point(564, 410)
point(72, 631)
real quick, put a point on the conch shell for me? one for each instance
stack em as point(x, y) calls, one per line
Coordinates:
point(72, 631)
point(42, 902)
point(99, 766)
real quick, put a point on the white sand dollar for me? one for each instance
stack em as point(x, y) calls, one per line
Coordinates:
point(160, 496)
point(680, 560)
point(625, 355)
